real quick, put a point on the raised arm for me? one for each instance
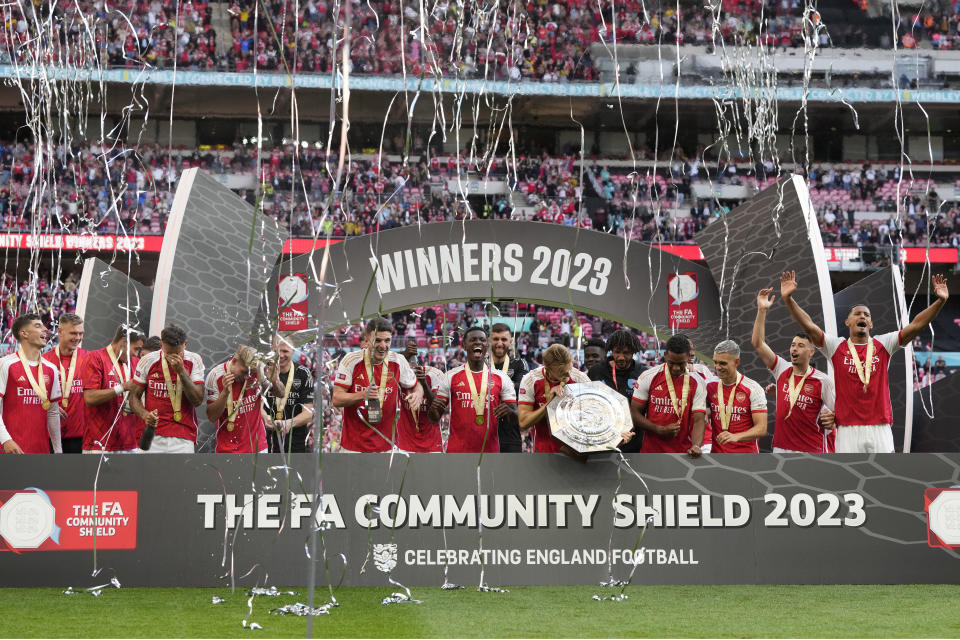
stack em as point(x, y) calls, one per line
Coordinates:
point(788, 285)
point(925, 317)
point(759, 339)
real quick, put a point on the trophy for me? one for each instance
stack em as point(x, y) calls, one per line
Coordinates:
point(589, 416)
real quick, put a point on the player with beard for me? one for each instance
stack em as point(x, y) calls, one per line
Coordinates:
point(68, 358)
point(29, 392)
point(501, 345)
point(805, 396)
point(860, 362)
point(288, 408)
point(169, 389)
point(594, 352)
point(480, 396)
point(738, 408)
point(367, 388)
point(669, 403)
point(233, 403)
point(107, 381)
point(539, 388)
point(417, 433)
point(620, 372)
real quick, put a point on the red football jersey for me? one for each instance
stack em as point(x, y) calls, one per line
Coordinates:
point(106, 427)
point(248, 435)
point(651, 387)
point(854, 406)
point(149, 374)
point(466, 436)
point(72, 425)
point(533, 392)
point(802, 430)
point(23, 414)
point(418, 434)
point(352, 376)
point(748, 400)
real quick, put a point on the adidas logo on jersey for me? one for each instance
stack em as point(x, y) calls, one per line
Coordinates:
point(461, 384)
point(21, 379)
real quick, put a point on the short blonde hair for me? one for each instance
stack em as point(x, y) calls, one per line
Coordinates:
point(556, 354)
point(246, 355)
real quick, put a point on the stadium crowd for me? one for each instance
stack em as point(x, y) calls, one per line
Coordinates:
point(541, 41)
point(75, 194)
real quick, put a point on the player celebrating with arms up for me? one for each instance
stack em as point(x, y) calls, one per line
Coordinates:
point(480, 396)
point(860, 363)
point(805, 396)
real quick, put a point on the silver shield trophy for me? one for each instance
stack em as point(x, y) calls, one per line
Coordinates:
point(589, 416)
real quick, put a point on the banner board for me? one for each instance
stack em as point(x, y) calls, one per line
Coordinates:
point(533, 519)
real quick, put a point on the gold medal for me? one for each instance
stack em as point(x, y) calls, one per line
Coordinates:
point(479, 399)
point(794, 390)
point(173, 390)
point(678, 407)
point(281, 403)
point(865, 368)
point(65, 402)
point(66, 378)
point(233, 407)
point(726, 410)
point(36, 385)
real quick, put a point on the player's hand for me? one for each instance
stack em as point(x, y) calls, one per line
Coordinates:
point(421, 374)
point(503, 410)
point(11, 446)
point(151, 418)
point(770, 388)
point(725, 437)
point(175, 362)
point(227, 380)
point(371, 393)
point(765, 299)
point(284, 426)
point(555, 392)
point(129, 385)
point(414, 400)
point(439, 404)
point(694, 451)
point(940, 287)
point(668, 430)
point(626, 436)
point(788, 284)
point(828, 420)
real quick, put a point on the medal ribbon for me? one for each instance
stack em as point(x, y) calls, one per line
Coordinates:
point(233, 408)
point(479, 399)
point(174, 390)
point(726, 410)
point(119, 369)
point(795, 390)
point(506, 364)
point(368, 363)
point(281, 403)
point(680, 407)
point(863, 369)
point(37, 387)
point(66, 379)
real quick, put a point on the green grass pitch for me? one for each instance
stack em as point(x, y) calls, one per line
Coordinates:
point(650, 611)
